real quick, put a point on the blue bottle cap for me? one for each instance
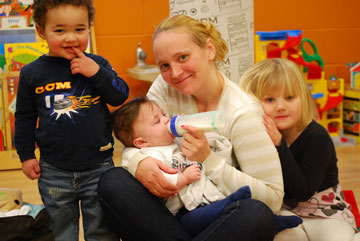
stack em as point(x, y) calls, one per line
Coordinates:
point(173, 127)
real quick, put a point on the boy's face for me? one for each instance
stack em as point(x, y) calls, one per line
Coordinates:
point(150, 128)
point(66, 27)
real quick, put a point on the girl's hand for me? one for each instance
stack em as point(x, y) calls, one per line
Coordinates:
point(195, 145)
point(149, 173)
point(31, 168)
point(271, 129)
point(83, 64)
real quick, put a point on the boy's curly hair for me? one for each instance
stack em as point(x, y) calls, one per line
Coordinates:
point(41, 7)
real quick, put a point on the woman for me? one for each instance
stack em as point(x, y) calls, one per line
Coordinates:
point(187, 53)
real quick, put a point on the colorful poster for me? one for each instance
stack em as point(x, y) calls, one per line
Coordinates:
point(2, 59)
point(235, 21)
point(19, 54)
point(15, 14)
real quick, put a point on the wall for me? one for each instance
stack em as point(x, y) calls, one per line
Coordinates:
point(119, 26)
point(333, 26)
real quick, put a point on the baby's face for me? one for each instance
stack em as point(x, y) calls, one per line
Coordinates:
point(151, 125)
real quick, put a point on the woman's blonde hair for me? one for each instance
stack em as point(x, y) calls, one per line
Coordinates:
point(276, 74)
point(199, 31)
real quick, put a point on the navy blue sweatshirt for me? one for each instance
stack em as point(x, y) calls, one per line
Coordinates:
point(66, 114)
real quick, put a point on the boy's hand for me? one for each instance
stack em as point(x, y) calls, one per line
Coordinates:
point(83, 65)
point(272, 130)
point(31, 168)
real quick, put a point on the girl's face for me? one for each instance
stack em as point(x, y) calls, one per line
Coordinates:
point(66, 27)
point(150, 128)
point(284, 109)
point(183, 64)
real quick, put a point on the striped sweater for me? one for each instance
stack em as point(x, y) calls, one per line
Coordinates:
point(255, 163)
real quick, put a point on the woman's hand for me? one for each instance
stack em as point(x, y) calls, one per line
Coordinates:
point(149, 173)
point(272, 130)
point(195, 145)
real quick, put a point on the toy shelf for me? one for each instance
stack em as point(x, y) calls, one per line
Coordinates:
point(351, 110)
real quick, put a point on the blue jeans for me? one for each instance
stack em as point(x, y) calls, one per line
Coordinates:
point(62, 192)
point(137, 215)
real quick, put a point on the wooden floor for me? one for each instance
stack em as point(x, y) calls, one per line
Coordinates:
point(349, 174)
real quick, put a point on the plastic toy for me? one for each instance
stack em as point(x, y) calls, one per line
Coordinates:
point(329, 104)
point(270, 44)
point(10, 199)
point(350, 198)
point(355, 76)
point(328, 94)
point(351, 109)
point(315, 57)
point(288, 44)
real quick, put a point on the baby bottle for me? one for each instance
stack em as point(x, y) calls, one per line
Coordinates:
point(205, 121)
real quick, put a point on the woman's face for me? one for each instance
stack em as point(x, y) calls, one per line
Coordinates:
point(183, 64)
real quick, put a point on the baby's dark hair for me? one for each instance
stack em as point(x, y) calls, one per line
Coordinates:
point(41, 7)
point(122, 120)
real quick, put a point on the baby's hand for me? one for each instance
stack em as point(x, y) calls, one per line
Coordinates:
point(83, 64)
point(192, 173)
point(272, 130)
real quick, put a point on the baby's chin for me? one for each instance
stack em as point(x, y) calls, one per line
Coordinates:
point(170, 141)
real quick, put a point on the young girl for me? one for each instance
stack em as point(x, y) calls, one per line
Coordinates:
point(306, 151)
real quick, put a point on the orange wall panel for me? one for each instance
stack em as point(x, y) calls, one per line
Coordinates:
point(119, 17)
point(154, 12)
point(119, 26)
point(306, 14)
point(122, 54)
point(332, 25)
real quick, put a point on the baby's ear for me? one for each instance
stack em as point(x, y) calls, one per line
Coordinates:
point(140, 142)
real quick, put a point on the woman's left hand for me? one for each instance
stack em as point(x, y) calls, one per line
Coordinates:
point(195, 145)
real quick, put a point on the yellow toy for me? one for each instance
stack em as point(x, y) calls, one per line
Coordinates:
point(355, 76)
point(329, 106)
point(351, 108)
point(328, 94)
point(10, 199)
point(290, 45)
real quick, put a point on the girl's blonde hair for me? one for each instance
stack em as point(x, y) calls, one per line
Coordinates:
point(276, 74)
point(200, 33)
